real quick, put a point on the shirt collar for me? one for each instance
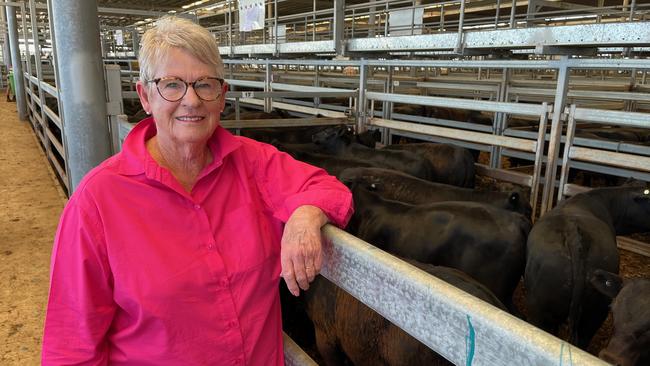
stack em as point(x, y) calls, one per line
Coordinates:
point(135, 157)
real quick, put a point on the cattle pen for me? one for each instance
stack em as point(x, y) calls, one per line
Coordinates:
point(552, 98)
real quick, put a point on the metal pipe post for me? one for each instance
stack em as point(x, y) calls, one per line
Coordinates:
point(135, 36)
point(83, 98)
point(496, 16)
point(371, 19)
point(361, 102)
point(461, 20)
point(531, 10)
point(268, 79)
point(561, 92)
point(28, 59)
point(500, 119)
point(19, 80)
point(39, 69)
point(512, 13)
point(6, 51)
point(339, 26)
point(313, 22)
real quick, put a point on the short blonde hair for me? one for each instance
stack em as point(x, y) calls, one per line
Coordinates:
point(175, 32)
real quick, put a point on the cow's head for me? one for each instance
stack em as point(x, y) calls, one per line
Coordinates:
point(634, 205)
point(518, 204)
point(360, 177)
point(369, 138)
point(330, 134)
point(630, 342)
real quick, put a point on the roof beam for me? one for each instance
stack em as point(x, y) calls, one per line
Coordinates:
point(146, 13)
point(564, 5)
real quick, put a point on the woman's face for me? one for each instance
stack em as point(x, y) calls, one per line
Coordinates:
point(189, 120)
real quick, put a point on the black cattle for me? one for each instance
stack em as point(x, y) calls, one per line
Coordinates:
point(368, 138)
point(248, 115)
point(451, 164)
point(446, 113)
point(630, 341)
point(611, 133)
point(567, 245)
point(338, 141)
point(349, 332)
point(334, 165)
point(483, 241)
point(394, 185)
point(284, 135)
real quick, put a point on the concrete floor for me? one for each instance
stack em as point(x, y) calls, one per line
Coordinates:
point(30, 205)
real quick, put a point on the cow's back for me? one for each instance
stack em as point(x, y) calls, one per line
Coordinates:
point(563, 249)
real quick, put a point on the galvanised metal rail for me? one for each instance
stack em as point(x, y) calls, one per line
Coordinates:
point(458, 326)
point(536, 147)
point(560, 92)
point(450, 26)
point(592, 155)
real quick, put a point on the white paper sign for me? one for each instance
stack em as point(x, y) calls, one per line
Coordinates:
point(251, 15)
point(119, 38)
point(399, 22)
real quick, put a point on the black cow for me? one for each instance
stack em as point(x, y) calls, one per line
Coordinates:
point(334, 165)
point(630, 343)
point(248, 115)
point(288, 135)
point(451, 164)
point(338, 141)
point(347, 331)
point(483, 241)
point(368, 138)
point(394, 185)
point(567, 245)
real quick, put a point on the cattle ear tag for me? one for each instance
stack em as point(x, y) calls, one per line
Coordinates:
point(646, 192)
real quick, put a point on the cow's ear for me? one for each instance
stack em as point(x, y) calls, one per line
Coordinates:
point(607, 283)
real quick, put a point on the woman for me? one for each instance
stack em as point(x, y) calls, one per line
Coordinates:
point(170, 252)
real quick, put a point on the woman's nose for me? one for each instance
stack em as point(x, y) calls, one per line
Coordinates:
point(190, 97)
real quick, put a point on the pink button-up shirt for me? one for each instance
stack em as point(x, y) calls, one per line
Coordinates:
point(144, 273)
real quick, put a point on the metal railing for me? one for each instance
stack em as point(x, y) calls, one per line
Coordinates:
point(593, 155)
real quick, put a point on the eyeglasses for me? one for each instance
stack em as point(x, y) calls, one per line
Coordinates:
point(173, 89)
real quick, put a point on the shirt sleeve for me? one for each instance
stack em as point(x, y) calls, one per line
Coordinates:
point(80, 307)
point(287, 184)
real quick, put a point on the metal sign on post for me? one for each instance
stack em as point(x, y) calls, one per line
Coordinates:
point(251, 13)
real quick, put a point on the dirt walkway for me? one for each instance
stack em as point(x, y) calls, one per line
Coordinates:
point(30, 205)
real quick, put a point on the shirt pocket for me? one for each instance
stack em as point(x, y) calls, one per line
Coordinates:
point(246, 239)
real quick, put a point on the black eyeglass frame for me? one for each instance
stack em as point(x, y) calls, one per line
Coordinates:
point(187, 86)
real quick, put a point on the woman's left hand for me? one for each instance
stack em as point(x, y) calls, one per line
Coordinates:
point(301, 252)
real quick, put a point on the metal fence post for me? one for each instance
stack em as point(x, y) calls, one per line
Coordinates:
point(19, 80)
point(561, 91)
point(81, 86)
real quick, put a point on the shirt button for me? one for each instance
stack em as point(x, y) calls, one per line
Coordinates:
point(223, 283)
point(197, 206)
point(210, 246)
point(237, 361)
point(231, 324)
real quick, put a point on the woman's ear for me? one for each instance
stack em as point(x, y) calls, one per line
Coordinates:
point(143, 94)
